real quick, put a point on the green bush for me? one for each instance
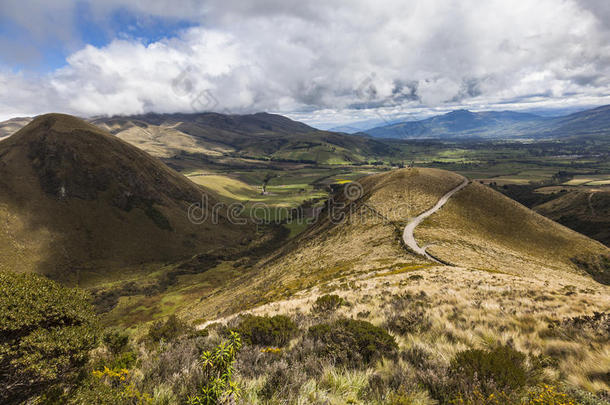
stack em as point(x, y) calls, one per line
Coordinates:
point(218, 368)
point(109, 387)
point(169, 330)
point(266, 331)
point(327, 303)
point(115, 340)
point(46, 333)
point(353, 342)
point(502, 369)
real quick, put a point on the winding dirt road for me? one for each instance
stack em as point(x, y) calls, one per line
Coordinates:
point(407, 235)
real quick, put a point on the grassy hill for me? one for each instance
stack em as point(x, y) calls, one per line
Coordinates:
point(259, 136)
point(77, 204)
point(479, 228)
point(514, 282)
point(585, 211)
point(362, 320)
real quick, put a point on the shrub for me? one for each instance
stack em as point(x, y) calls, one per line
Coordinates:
point(501, 369)
point(410, 322)
point(124, 360)
point(283, 382)
point(353, 342)
point(115, 340)
point(46, 333)
point(120, 353)
point(266, 331)
point(109, 387)
point(327, 303)
point(218, 368)
point(176, 366)
point(169, 330)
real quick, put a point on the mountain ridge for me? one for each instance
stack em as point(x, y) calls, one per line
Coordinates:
point(499, 125)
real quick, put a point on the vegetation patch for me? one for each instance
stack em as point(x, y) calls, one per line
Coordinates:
point(46, 333)
point(218, 367)
point(266, 331)
point(500, 372)
point(353, 343)
point(328, 303)
point(171, 329)
point(409, 322)
point(594, 327)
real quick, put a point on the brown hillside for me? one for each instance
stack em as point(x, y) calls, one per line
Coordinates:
point(76, 200)
point(587, 212)
point(481, 228)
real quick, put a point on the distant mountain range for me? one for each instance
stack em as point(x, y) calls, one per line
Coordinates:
point(276, 137)
point(499, 125)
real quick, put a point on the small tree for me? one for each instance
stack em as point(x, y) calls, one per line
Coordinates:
point(217, 365)
point(46, 333)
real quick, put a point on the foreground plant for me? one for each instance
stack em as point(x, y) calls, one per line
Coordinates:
point(218, 368)
point(46, 333)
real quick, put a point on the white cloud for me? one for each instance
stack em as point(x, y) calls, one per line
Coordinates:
point(332, 60)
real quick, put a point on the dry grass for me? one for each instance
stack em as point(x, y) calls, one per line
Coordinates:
point(477, 309)
point(478, 227)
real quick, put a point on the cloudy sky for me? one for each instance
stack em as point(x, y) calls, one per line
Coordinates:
point(326, 62)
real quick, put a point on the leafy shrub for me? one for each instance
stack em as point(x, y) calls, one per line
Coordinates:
point(115, 340)
point(46, 333)
point(124, 360)
point(169, 330)
point(353, 342)
point(327, 303)
point(266, 331)
point(500, 369)
point(218, 368)
point(109, 387)
point(120, 353)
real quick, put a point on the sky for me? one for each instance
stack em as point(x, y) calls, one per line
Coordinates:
point(324, 62)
